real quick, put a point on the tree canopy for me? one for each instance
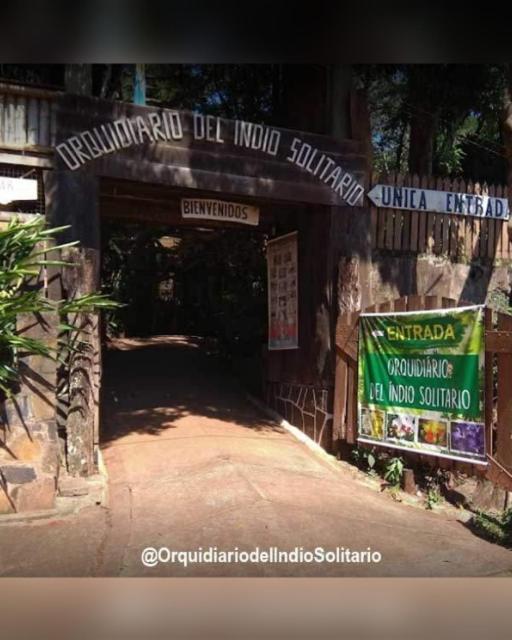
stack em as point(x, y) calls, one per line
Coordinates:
point(440, 119)
point(444, 120)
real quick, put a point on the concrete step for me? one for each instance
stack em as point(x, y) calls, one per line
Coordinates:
point(24, 488)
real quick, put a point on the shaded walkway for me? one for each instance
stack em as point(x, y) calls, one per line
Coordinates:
point(193, 464)
point(155, 384)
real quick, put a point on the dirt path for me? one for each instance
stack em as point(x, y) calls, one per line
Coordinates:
point(193, 465)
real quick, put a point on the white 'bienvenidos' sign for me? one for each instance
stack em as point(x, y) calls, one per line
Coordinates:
point(13, 189)
point(464, 204)
point(207, 209)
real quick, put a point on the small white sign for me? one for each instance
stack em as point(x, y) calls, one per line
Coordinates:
point(415, 199)
point(219, 210)
point(13, 189)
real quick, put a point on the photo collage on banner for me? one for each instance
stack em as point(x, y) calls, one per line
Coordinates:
point(421, 380)
point(282, 274)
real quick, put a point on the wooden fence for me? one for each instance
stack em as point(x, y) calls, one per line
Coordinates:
point(461, 238)
point(498, 386)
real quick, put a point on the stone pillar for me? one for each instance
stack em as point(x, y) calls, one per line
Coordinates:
point(84, 369)
point(72, 199)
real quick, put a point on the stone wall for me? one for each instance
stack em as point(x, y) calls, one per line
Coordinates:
point(29, 446)
point(304, 406)
point(389, 277)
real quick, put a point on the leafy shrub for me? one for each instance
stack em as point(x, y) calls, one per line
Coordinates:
point(497, 528)
point(394, 471)
point(365, 459)
point(433, 497)
point(24, 252)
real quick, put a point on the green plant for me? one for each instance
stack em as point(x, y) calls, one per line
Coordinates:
point(371, 461)
point(358, 454)
point(25, 248)
point(497, 528)
point(432, 483)
point(394, 471)
point(74, 328)
point(23, 253)
point(432, 498)
point(365, 459)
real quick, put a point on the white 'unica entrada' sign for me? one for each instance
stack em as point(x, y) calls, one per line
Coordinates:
point(219, 210)
point(415, 199)
point(13, 189)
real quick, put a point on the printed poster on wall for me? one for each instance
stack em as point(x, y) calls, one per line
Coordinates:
point(283, 320)
point(421, 381)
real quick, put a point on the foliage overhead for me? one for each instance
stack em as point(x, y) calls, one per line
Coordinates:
point(209, 283)
point(461, 103)
point(444, 118)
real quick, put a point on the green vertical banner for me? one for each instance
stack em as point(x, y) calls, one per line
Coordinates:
point(421, 381)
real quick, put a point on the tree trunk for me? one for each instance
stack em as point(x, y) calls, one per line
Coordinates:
point(422, 121)
point(78, 79)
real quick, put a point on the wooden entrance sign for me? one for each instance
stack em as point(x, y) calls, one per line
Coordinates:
point(191, 150)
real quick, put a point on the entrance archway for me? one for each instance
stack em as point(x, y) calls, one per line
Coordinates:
point(308, 186)
point(189, 286)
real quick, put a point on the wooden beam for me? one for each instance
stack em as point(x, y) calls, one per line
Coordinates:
point(171, 217)
point(498, 341)
point(6, 216)
point(293, 189)
point(27, 148)
point(347, 338)
point(498, 474)
point(7, 88)
point(144, 190)
point(21, 158)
